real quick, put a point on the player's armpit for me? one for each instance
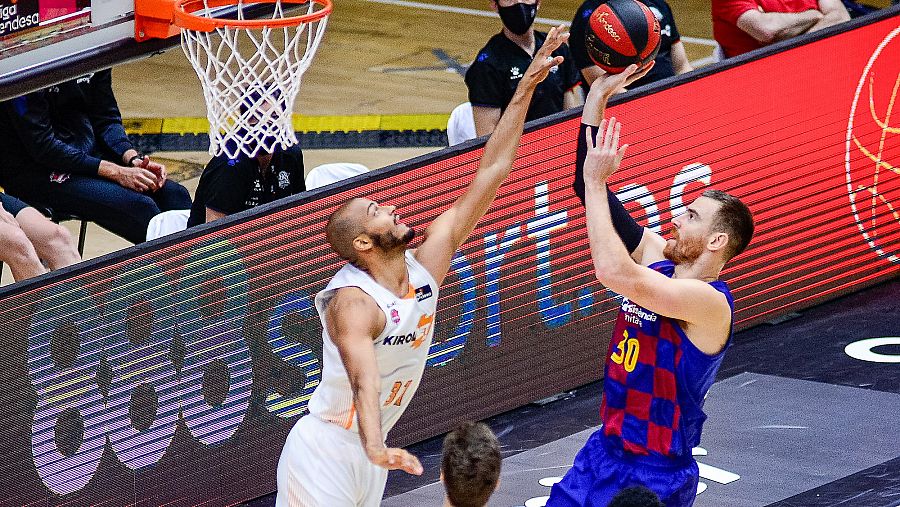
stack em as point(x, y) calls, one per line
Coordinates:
point(703, 308)
point(650, 249)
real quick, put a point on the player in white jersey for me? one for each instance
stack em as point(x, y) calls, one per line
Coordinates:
point(378, 314)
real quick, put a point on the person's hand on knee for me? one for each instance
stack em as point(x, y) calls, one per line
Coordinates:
point(159, 170)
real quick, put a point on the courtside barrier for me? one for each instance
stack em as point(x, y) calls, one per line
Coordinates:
point(170, 373)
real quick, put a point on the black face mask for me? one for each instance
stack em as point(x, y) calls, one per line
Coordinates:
point(518, 18)
point(251, 143)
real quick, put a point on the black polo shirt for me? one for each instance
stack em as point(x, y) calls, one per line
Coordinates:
point(494, 75)
point(232, 185)
point(668, 35)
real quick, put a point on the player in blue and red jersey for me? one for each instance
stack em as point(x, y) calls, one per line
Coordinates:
point(671, 333)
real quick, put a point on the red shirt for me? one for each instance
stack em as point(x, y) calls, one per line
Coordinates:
point(725, 13)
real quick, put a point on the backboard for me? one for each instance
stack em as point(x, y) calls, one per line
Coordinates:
point(45, 42)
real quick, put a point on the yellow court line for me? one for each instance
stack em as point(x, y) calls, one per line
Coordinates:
point(302, 123)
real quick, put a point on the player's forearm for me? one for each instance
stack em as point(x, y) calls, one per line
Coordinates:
point(500, 151)
point(497, 161)
point(368, 413)
point(626, 227)
point(573, 98)
point(610, 258)
point(595, 106)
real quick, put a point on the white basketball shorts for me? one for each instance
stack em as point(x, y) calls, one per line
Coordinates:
point(324, 465)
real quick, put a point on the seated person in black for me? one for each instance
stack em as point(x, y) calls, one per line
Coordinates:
point(65, 148)
point(494, 75)
point(27, 237)
point(228, 186)
point(671, 59)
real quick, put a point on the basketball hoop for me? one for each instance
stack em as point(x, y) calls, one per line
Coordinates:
point(250, 69)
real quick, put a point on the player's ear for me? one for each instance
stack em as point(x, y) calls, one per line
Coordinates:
point(497, 486)
point(441, 478)
point(717, 241)
point(363, 243)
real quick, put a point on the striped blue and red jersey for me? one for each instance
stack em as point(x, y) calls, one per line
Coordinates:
point(655, 382)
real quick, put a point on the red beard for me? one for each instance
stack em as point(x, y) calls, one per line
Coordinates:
point(684, 251)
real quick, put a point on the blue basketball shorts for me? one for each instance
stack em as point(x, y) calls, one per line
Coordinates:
point(597, 475)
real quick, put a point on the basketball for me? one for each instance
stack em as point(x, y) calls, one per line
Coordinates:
point(620, 33)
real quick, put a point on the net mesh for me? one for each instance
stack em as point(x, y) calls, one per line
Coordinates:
point(250, 79)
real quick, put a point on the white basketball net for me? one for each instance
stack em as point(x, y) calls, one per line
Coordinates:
point(250, 79)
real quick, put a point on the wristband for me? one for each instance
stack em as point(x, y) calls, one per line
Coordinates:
point(139, 156)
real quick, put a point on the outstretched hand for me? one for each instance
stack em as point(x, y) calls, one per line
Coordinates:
point(543, 59)
point(609, 84)
point(604, 159)
point(393, 458)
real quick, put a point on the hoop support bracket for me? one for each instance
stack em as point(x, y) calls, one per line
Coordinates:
point(154, 19)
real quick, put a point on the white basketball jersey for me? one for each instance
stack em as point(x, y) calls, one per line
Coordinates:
point(400, 350)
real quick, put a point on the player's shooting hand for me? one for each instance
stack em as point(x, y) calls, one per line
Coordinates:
point(606, 85)
point(395, 459)
point(543, 59)
point(603, 158)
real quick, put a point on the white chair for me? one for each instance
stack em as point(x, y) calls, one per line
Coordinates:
point(327, 174)
point(718, 54)
point(167, 222)
point(461, 125)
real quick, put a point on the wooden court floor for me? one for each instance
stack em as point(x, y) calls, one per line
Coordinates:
point(379, 57)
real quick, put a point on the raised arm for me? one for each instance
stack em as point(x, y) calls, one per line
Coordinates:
point(637, 240)
point(354, 321)
point(444, 236)
point(703, 309)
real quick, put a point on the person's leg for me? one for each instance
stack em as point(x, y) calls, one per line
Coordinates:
point(15, 247)
point(172, 196)
point(315, 468)
point(679, 488)
point(109, 205)
point(52, 242)
point(372, 479)
point(16, 250)
point(574, 488)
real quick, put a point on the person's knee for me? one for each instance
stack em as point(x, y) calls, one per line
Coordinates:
point(60, 242)
point(142, 208)
point(15, 247)
point(176, 196)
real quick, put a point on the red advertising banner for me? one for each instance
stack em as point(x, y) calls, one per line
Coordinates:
point(170, 373)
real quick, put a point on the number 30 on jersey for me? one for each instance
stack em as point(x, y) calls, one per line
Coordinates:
point(627, 352)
